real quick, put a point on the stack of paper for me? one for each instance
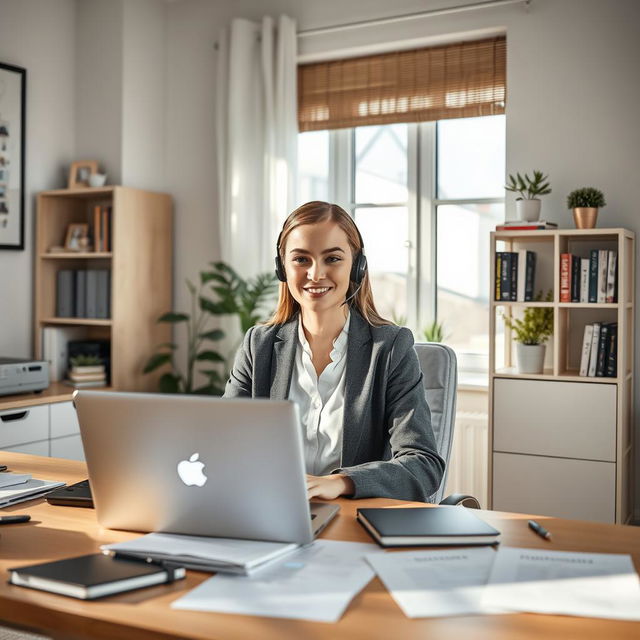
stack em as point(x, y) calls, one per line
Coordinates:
point(596, 585)
point(474, 581)
point(201, 553)
point(316, 582)
point(21, 487)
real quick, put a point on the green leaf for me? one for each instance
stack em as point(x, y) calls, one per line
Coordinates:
point(215, 308)
point(155, 361)
point(215, 334)
point(191, 286)
point(169, 383)
point(173, 317)
point(211, 356)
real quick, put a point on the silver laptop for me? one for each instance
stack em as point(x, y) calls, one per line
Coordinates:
point(231, 468)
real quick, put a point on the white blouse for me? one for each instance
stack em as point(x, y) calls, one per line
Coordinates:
point(321, 403)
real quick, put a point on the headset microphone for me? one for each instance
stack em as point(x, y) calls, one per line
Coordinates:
point(353, 295)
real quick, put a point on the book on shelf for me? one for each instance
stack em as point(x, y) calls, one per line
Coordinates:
point(611, 370)
point(526, 225)
point(586, 350)
point(584, 279)
point(603, 261)
point(599, 350)
point(565, 277)
point(83, 293)
point(593, 356)
point(87, 377)
point(592, 279)
point(55, 341)
point(612, 281)
point(515, 275)
point(102, 228)
point(85, 383)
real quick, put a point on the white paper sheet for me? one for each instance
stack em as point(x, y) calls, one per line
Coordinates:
point(426, 584)
point(316, 582)
point(598, 585)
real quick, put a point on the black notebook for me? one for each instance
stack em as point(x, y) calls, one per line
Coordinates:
point(428, 526)
point(94, 576)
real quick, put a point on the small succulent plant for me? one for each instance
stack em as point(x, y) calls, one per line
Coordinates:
point(585, 197)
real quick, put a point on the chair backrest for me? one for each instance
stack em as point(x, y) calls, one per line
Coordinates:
point(440, 380)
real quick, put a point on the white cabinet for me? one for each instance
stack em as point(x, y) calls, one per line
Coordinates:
point(562, 487)
point(43, 430)
point(63, 419)
point(24, 425)
point(69, 447)
point(561, 419)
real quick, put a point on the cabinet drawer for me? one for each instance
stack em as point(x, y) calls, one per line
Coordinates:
point(64, 420)
point(69, 447)
point(33, 448)
point(18, 426)
point(548, 418)
point(580, 489)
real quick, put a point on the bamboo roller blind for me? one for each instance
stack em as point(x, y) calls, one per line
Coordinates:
point(450, 81)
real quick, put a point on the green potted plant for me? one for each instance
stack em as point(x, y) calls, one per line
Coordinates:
point(531, 332)
point(527, 204)
point(434, 332)
point(232, 295)
point(585, 203)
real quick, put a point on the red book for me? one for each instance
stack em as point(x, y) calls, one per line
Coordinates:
point(565, 277)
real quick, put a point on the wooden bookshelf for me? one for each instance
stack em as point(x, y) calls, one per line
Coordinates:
point(140, 262)
point(562, 444)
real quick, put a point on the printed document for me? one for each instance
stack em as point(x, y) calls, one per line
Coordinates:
point(597, 585)
point(426, 584)
point(316, 582)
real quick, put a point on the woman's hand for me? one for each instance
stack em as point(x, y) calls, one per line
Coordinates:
point(329, 487)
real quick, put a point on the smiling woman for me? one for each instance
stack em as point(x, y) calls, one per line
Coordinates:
point(354, 375)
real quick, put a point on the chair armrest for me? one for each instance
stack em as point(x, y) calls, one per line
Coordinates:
point(461, 499)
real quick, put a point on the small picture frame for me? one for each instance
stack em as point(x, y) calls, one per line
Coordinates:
point(77, 238)
point(79, 173)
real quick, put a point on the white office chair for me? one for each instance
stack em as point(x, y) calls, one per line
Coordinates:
point(440, 379)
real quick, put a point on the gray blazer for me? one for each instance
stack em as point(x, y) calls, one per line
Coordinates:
point(388, 447)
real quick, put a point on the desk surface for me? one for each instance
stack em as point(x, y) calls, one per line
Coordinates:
point(58, 532)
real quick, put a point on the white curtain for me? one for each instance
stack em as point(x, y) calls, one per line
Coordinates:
point(256, 139)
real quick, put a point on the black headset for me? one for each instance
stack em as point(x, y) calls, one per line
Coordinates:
point(358, 268)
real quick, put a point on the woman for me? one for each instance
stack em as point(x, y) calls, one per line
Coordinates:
point(355, 376)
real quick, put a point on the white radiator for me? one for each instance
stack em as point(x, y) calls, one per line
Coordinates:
point(468, 462)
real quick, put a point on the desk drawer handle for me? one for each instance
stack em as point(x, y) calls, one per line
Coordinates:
point(12, 417)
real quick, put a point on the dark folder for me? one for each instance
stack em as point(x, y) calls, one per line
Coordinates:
point(94, 576)
point(426, 526)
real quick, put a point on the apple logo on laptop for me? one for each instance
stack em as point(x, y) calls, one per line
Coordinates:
point(190, 471)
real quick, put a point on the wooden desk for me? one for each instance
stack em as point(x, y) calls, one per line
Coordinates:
point(59, 532)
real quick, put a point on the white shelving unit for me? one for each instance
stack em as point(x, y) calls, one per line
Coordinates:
point(561, 444)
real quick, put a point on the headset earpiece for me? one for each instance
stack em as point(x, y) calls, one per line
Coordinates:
point(358, 268)
point(281, 274)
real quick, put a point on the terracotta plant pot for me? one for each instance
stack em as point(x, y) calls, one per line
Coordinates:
point(585, 217)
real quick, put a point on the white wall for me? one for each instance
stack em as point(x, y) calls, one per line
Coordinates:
point(38, 35)
point(98, 60)
point(573, 91)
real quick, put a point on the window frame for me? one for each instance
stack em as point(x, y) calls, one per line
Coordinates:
point(422, 203)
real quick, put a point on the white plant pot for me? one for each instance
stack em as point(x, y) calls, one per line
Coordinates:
point(530, 357)
point(528, 209)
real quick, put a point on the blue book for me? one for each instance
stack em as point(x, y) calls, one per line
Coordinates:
point(593, 276)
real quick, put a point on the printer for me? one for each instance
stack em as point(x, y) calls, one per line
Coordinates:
point(18, 375)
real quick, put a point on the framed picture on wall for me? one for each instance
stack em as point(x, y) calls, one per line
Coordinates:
point(12, 141)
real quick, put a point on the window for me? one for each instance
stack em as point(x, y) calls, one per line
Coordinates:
point(425, 197)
